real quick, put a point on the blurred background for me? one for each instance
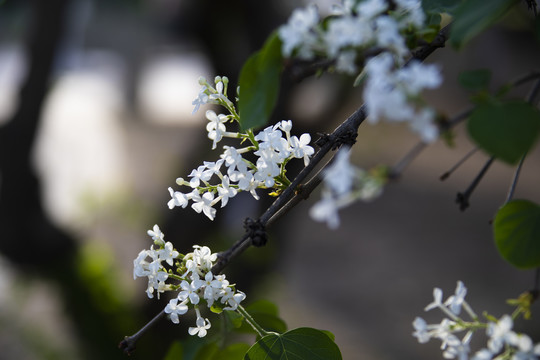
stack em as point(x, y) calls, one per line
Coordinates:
point(96, 122)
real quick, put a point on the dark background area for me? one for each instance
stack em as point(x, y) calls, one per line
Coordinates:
point(95, 124)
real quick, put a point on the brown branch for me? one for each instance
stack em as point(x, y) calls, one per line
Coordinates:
point(345, 133)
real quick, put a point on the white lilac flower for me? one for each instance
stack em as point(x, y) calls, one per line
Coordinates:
point(346, 8)
point(387, 94)
point(202, 326)
point(300, 147)
point(177, 199)
point(272, 143)
point(437, 300)
point(421, 330)
point(285, 125)
point(212, 288)
point(458, 348)
point(168, 254)
point(499, 333)
point(156, 280)
point(156, 234)
point(140, 264)
point(300, 32)
point(388, 36)
point(198, 175)
point(266, 172)
point(339, 176)
point(417, 76)
point(411, 13)
point(204, 204)
point(174, 309)
point(347, 31)
point(201, 99)
point(483, 354)
point(455, 301)
point(371, 8)
point(189, 290)
point(232, 299)
point(346, 62)
point(326, 209)
point(216, 127)
point(204, 257)
point(220, 89)
point(225, 191)
point(423, 123)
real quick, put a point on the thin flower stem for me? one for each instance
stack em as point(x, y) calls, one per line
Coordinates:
point(252, 322)
point(396, 171)
point(463, 198)
point(513, 185)
point(447, 174)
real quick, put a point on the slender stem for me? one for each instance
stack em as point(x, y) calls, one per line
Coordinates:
point(252, 322)
point(397, 169)
point(447, 174)
point(513, 185)
point(463, 198)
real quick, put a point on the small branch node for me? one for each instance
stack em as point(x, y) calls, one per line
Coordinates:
point(256, 231)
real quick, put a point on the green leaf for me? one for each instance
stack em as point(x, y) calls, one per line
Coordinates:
point(517, 233)
point(475, 80)
point(297, 344)
point(505, 130)
point(474, 16)
point(259, 84)
point(175, 352)
point(440, 6)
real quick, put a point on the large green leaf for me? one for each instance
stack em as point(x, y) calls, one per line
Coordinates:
point(517, 233)
point(297, 344)
point(505, 130)
point(259, 84)
point(474, 16)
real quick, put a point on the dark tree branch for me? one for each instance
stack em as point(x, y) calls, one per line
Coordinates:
point(345, 133)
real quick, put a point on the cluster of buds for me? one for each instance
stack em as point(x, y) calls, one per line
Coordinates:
point(218, 181)
point(192, 279)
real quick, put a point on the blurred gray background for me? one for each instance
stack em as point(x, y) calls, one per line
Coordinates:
point(115, 129)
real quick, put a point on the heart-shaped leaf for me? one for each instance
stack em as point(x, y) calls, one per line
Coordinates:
point(298, 344)
point(517, 233)
point(505, 130)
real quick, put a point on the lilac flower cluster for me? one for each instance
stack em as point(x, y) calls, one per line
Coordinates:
point(193, 280)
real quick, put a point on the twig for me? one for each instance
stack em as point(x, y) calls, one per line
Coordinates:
point(128, 344)
point(463, 198)
point(396, 171)
point(513, 185)
point(447, 174)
